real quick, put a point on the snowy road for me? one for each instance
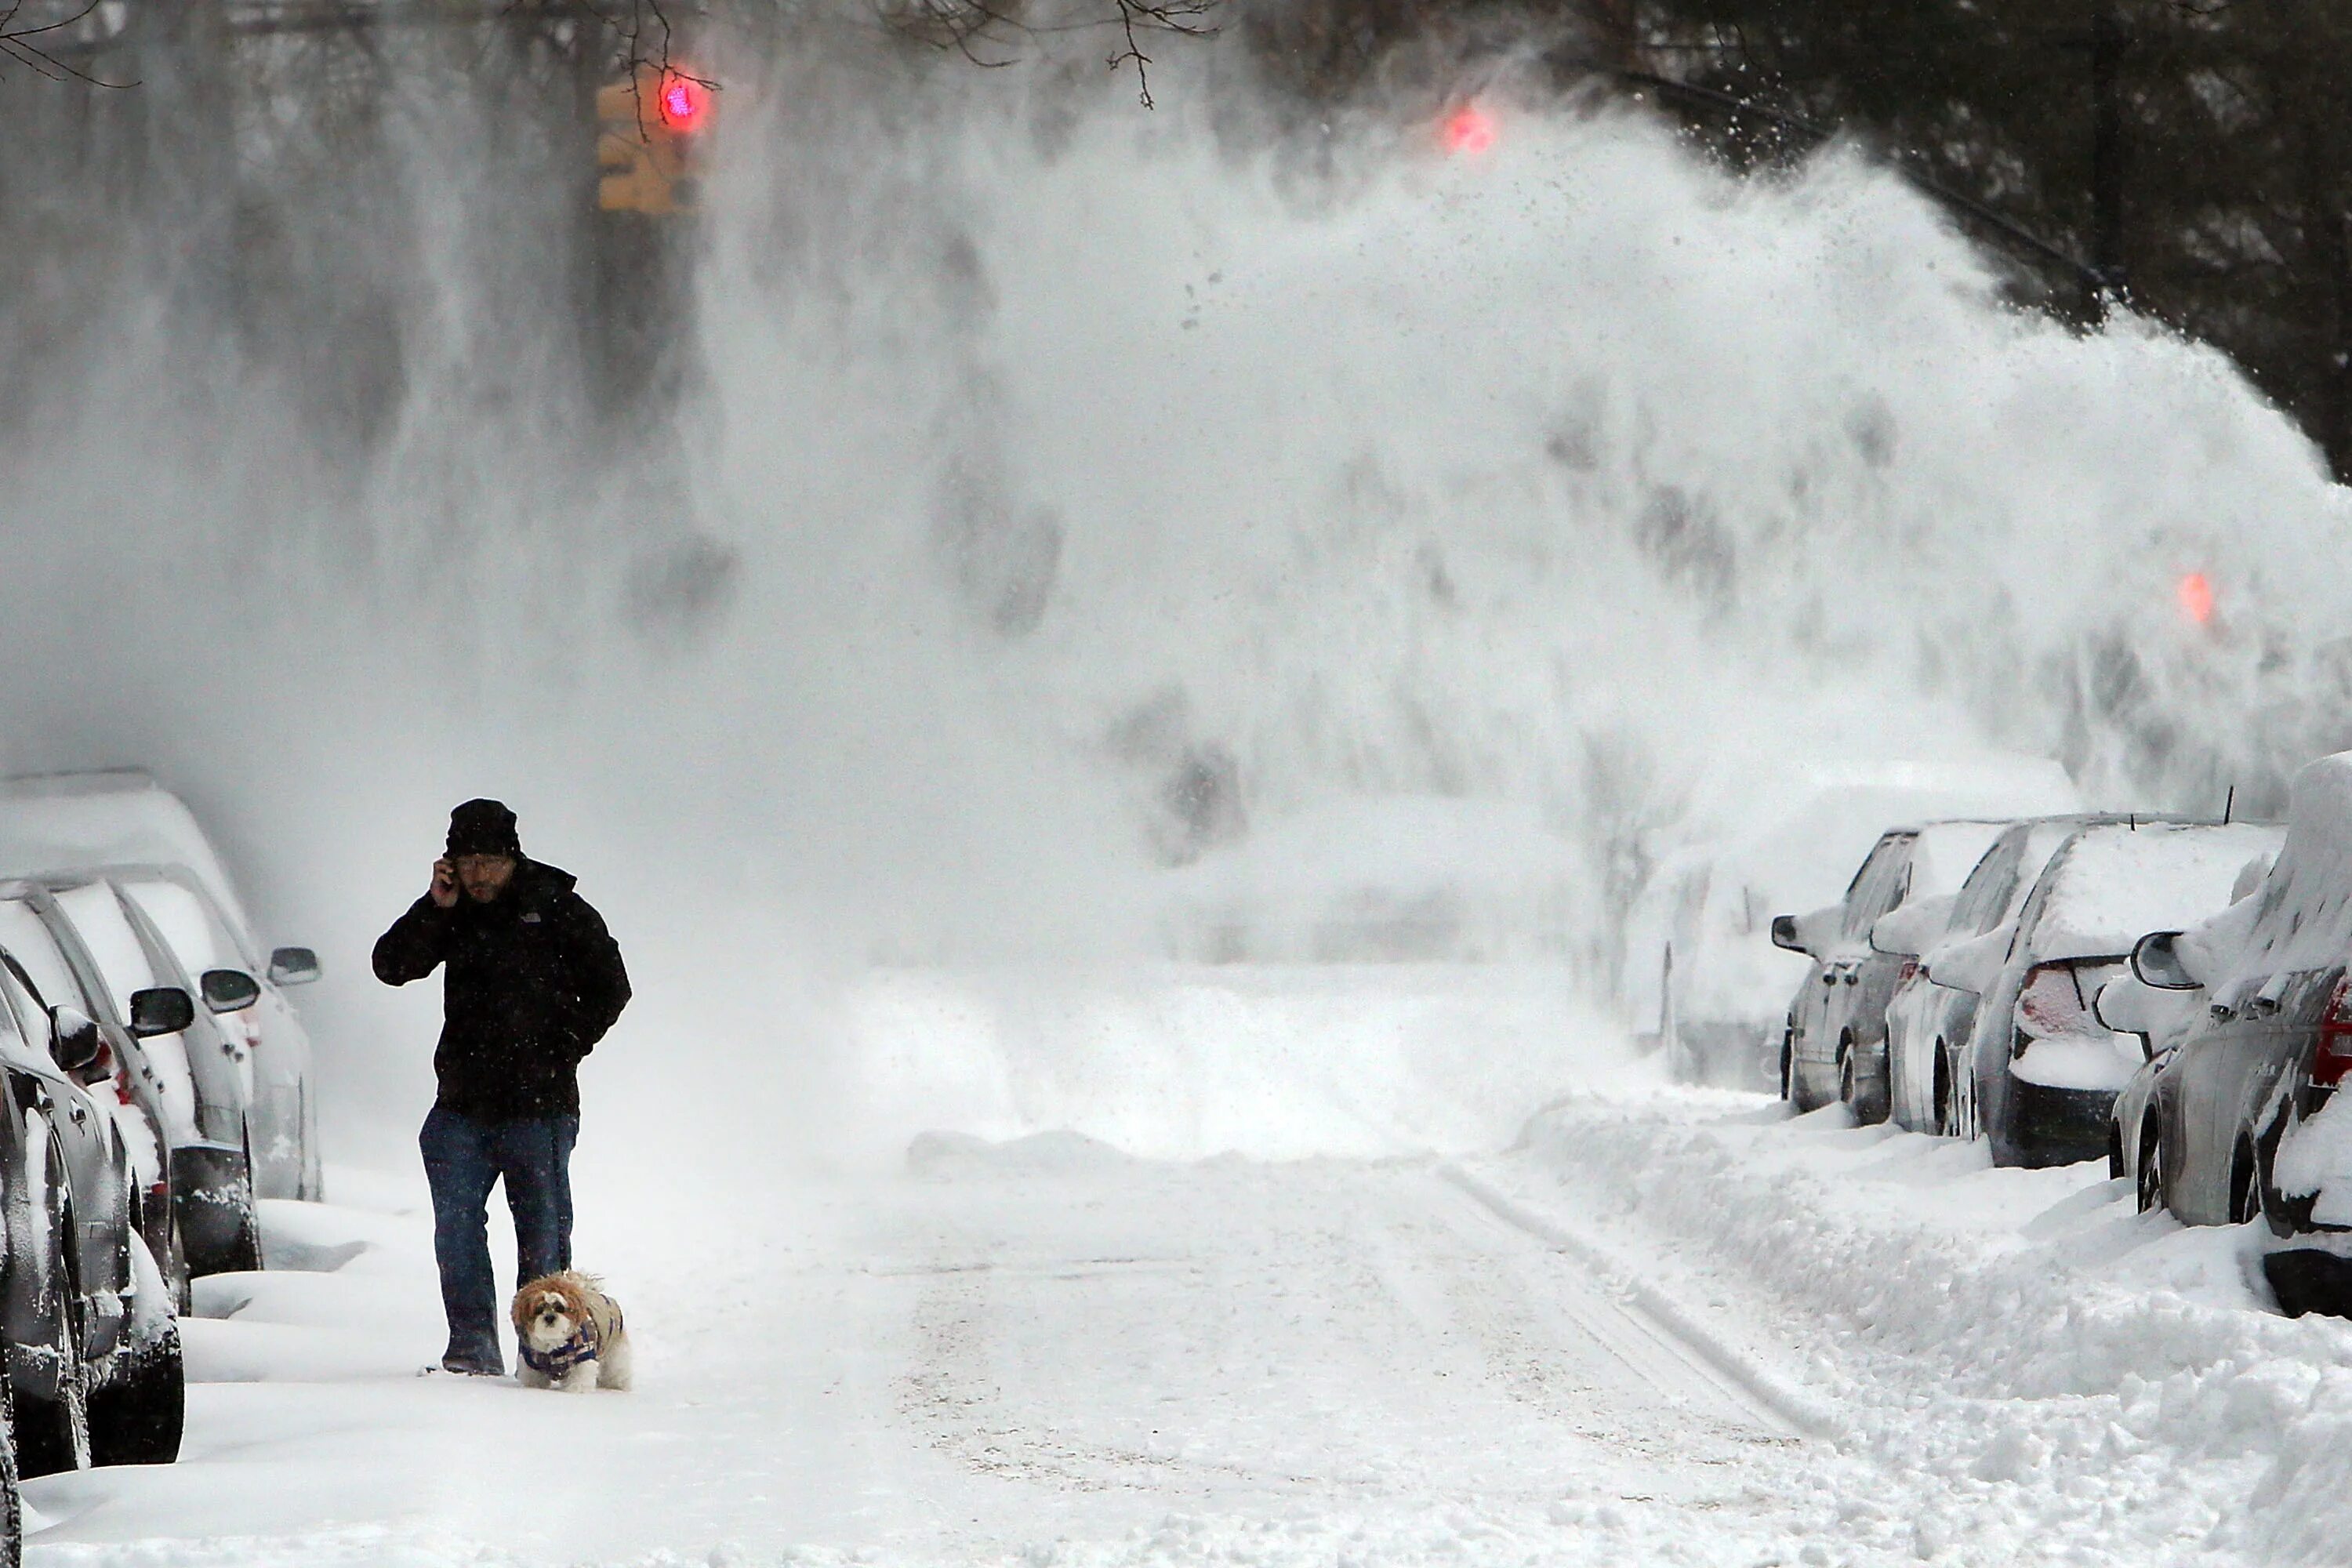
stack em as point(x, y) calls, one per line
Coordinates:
point(1666, 1326)
point(1011, 1346)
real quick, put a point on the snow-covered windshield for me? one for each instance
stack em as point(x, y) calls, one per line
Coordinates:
point(2115, 883)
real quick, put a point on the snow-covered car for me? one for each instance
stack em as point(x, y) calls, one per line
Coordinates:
point(189, 932)
point(2162, 1018)
point(156, 856)
point(1835, 1046)
point(1928, 1025)
point(1702, 974)
point(2044, 1070)
point(138, 1075)
point(1701, 968)
point(201, 1073)
point(92, 1354)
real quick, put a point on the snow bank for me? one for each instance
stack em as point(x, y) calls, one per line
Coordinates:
point(2037, 1358)
point(1181, 1061)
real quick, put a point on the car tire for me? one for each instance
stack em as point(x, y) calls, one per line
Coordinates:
point(2148, 1185)
point(1789, 1065)
point(217, 1248)
point(2245, 1184)
point(53, 1435)
point(1946, 1124)
point(1868, 1103)
point(138, 1417)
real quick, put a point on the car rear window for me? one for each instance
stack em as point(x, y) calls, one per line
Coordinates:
point(2113, 884)
point(28, 1023)
point(30, 943)
point(105, 930)
point(195, 937)
point(1879, 885)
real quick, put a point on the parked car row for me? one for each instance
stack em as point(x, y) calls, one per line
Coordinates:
point(1701, 977)
point(1970, 1010)
point(2172, 995)
point(153, 1082)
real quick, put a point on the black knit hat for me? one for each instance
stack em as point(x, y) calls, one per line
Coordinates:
point(483, 827)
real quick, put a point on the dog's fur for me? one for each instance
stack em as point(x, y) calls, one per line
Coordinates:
point(547, 1313)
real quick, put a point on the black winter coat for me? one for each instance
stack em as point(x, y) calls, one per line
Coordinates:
point(534, 981)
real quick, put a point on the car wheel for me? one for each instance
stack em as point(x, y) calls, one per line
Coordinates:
point(53, 1433)
point(137, 1418)
point(1789, 1065)
point(1867, 1099)
point(2149, 1187)
point(1945, 1127)
point(184, 1280)
point(2245, 1185)
point(2115, 1151)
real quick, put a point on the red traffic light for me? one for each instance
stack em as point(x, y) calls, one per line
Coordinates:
point(683, 102)
point(1468, 130)
point(2196, 595)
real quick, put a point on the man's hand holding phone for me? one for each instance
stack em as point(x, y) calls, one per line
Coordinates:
point(444, 890)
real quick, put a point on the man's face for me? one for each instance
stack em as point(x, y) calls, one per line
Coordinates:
point(484, 877)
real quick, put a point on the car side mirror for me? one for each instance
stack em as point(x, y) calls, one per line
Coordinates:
point(2129, 1006)
point(1910, 929)
point(229, 990)
point(1784, 933)
point(2157, 963)
point(74, 1039)
point(293, 967)
point(1972, 965)
point(161, 1010)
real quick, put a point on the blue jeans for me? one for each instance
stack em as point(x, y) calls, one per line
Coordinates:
point(464, 1158)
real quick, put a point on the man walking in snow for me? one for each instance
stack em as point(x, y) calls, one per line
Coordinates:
point(533, 982)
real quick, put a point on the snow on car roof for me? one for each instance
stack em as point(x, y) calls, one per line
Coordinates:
point(1804, 860)
point(67, 822)
point(2114, 883)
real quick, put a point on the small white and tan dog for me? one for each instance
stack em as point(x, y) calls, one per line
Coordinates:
point(571, 1335)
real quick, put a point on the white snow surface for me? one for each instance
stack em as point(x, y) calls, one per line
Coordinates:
point(1660, 1326)
point(2113, 884)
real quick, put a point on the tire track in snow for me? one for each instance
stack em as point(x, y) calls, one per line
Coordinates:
point(1675, 1332)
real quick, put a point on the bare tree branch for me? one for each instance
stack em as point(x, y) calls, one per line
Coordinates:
point(41, 58)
